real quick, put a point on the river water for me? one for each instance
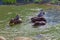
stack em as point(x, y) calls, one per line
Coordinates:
point(53, 16)
point(26, 28)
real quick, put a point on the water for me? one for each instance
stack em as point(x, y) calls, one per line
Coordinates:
point(53, 16)
point(41, 32)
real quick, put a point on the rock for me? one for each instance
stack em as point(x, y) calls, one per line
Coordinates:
point(2, 38)
point(23, 38)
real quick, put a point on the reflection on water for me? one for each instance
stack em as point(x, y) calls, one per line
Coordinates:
point(53, 16)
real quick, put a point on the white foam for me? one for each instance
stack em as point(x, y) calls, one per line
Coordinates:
point(20, 19)
point(9, 12)
point(1, 21)
point(57, 28)
point(37, 9)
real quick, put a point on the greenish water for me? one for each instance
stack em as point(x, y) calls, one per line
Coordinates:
point(51, 31)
